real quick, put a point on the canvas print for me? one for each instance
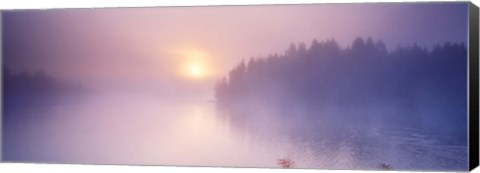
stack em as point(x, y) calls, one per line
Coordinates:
point(369, 86)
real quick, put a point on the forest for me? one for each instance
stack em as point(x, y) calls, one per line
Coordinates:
point(414, 85)
point(26, 89)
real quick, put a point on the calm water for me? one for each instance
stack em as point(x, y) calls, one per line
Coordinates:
point(148, 130)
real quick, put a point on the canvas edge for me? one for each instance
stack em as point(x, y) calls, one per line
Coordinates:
point(473, 73)
point(1, 88)
point(233, 4)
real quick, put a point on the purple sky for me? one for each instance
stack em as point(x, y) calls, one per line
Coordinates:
point(142, 44)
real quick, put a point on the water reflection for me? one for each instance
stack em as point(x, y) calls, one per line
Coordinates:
point(151, 131)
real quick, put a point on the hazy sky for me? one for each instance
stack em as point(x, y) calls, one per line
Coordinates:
point(154, 45)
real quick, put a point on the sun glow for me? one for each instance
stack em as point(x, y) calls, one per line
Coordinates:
point(195, 64)
point(196, 70)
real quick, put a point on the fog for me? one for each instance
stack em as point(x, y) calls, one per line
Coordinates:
point(119, 46)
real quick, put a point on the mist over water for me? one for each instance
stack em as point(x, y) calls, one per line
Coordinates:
point(145, 130)
point(134, 129)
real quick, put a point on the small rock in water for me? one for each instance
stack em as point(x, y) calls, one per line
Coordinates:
point(286, 163)
point(385, 166)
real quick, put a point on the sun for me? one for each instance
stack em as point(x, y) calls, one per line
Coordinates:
point(196, 70)
point(195, 64)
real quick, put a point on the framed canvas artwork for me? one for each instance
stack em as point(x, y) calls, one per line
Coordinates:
point(356, 86)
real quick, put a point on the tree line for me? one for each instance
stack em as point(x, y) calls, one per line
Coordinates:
point(412, 79)
point(37, 88)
